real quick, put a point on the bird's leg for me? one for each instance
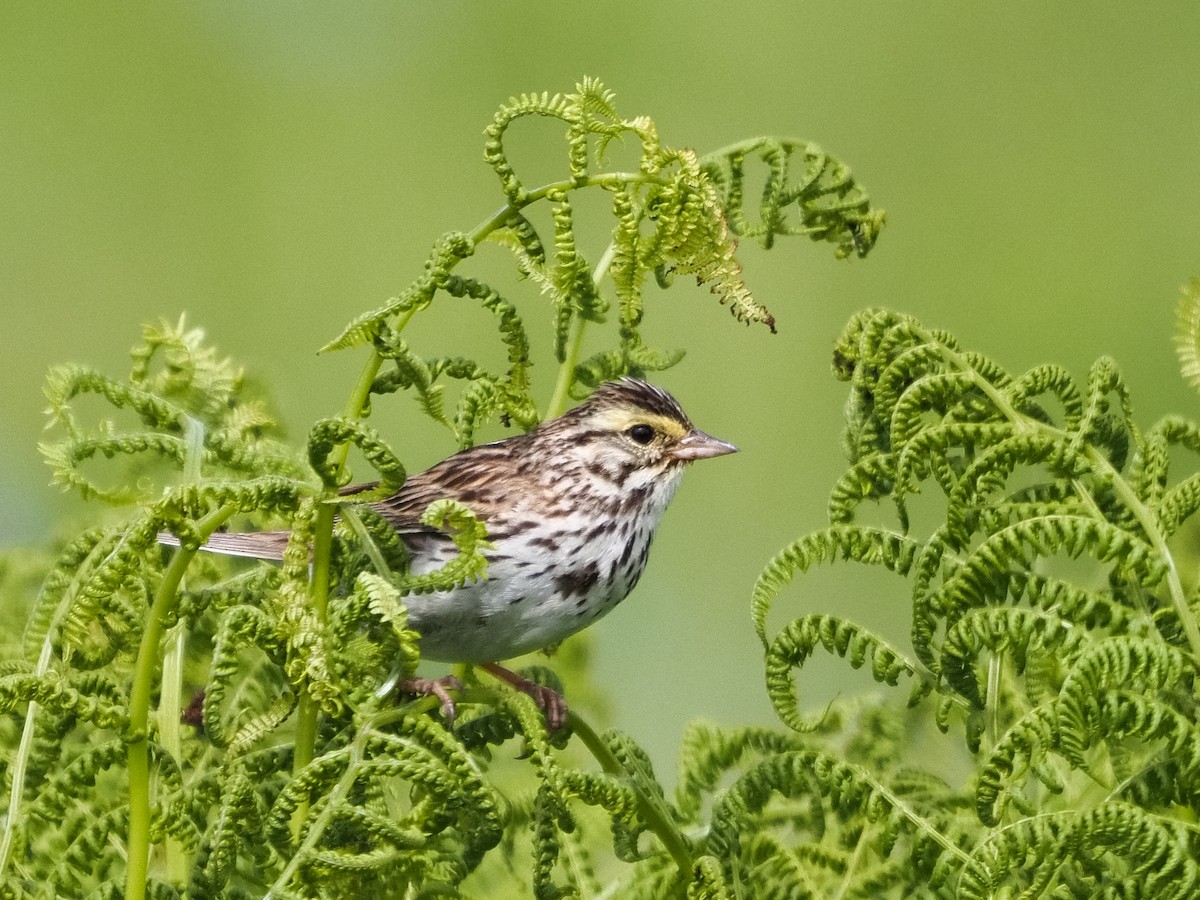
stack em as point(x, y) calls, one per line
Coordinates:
point(435, 687)
point(548, 700)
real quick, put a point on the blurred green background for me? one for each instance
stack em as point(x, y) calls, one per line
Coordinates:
point(273, 169)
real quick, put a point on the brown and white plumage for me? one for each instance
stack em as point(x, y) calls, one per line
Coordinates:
point(570, 508)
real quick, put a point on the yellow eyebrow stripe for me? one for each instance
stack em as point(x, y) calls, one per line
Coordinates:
point(621, 419)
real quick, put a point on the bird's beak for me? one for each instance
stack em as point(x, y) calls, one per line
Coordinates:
point(698, 445)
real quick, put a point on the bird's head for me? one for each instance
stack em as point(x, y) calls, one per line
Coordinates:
point(629, 427)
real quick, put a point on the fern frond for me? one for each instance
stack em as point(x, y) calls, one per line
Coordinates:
point(866, 545)
point(60, 585)
point(518, 232)
point(870, 478)
point(1013, 631)
point(470, 537)
point(240, 809)
point(707, 881)
point(1105, 381)
point(1087, 608)
point(633, 358)
point(1001, 455)
point(795, 643)
point(851, 791)
point(691, 238)
point(420, 375)
point(556, 106)
point(1187, 332)
point(1147, 856)
point(65, 383)
point(829, 205)
point(928, 450)
point(707, 753)
point(514, 388)
point(1041, 380)
point(1127, 663)
point(617, 799)
point(902, 370)
point(449, 250)
point(1177, 505)
point(1081, 677)
point(572, 275)
point(628, 268)
point(239, 627)
point(190, 372)
point(784, 873)
point(328, 434)
point(1018, 545)
point(376, 598)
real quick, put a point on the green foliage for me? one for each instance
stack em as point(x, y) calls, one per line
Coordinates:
point(1187, 332)
point(177, 725)
point(1053, 637)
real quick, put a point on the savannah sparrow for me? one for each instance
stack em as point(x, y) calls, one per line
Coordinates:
point(570, 509)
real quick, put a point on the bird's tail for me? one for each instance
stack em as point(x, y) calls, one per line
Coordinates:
point(252, 544)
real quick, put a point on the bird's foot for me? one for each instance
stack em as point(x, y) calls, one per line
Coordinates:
point(433, 687)
point(550, 701)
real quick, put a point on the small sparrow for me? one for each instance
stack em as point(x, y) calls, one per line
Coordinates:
point(570, 509)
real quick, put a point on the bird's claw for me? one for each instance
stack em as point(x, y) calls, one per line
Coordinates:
point(549, 701)
point(433, 687)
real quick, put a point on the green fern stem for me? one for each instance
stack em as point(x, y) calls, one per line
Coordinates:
point(174, 656)
point(333, 801)
point(956, 361)
point(138, 752)
point(915, 818)
point(652, 812)
point(316, 830)
point(18, 765)
point(307, 711)
point(170, 712)
point(306, 707)
point(1187, 617)
point(566, 370)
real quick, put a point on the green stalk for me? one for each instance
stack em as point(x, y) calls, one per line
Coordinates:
point(307, 711)
point(170, 732)
point(652, 812)
point(333, 800)
point(566, 369)
point(306, 708)
point(19, 765)
point(608, 179)
point(170, 695)
point(138, 752)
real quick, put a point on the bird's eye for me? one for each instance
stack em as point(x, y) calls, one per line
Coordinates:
point(643, 434)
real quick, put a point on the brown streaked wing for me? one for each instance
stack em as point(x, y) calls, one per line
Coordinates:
point(480, 477)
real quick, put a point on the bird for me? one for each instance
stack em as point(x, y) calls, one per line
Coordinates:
point(570, 508)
